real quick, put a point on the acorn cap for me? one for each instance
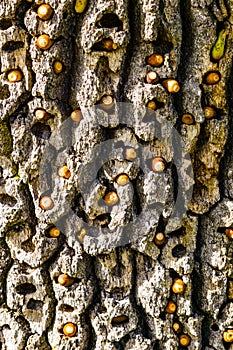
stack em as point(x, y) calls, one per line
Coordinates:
point(122, 179)
point(14, 76)
point(45, 11)
point(44, 42)
point(111, 198)
point(69, 329)
point(76, 115)
point(155, 60)
point(158, 164)
point(46, 203)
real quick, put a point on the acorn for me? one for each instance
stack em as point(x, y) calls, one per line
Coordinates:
point(120, 319)
point(82, 234)
point(158, 164)
point(228, 336)
point(57, 67)
point(155, 60)
point(218, 48)
point(152, 77)
point(122, 179)
point(108, 44)
point(212, 78)
point(64, 172)
point(184, 340)
point(177, 327)
point(65, 280)
point(107, 102)
point(171, 85)
point(187, 118)
point(111, 198)
point(130, 153)
point(152, 105)
point(80, 5)
point(46, 203)
point(14, 76)
point(76, 115)
point(229, 233)
point(171, 307)
point(45, 11)
point(178, 286)
point(44, 42)
point(209, 112)
point(69, 329)
point(54, 232)
point(41, 115)
point(159, 238)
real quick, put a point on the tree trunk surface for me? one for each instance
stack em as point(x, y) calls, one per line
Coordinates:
point(91, 260)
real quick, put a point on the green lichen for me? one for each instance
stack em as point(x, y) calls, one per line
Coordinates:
point(5, 140)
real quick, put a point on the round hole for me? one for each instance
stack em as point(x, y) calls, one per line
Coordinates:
point(178, 251)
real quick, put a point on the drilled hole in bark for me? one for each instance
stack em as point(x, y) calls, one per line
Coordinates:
point(5, 23)
point(179, 232)
point(5, 199)
point(110, 20)
point(215, 327)
point(41, 130)
point(28, 246)
point(25, 288)
point(119, 320)
point(66, 308)
point(35, 304)
point(4, 92)
point(11, 46)
point(178, 251)
point(102, 220)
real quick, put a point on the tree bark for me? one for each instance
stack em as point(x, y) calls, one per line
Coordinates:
point(59, 175)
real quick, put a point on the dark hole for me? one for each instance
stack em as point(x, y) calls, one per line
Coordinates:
point(35, 304)
point(173, 274)
point(178, 251)
point(5, 23)
point(65, 14)
point(103, 45)
point(66, 308)
point(25, 288)
point(41, 130)
point(215, 327)
point(179, 232)
point(11, 46)
point(162, 316)
point(118, 320)
point(17, 228)
point(28, 246)
point(110, 20)
point(4, 92)
point(7, 200)
point(102, 220)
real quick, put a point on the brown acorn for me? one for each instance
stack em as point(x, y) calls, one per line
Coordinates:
point(111, 198)
point(152, 77)
point(155, 60)
point(152, 105)
point(122, 179)
point(159, 238)
point(120, 319)
point(158, 164)
point(178, 286)
point(212, 78)
point(65, 280)
point(108, 44)
point(187, 118)
point(185, 340)
point(69, 329)
point(107, 102)
point(209, 112)
point(64, 172)
point(41, 115)
point(76, 115)
point(229, 233)
point(46, 203)
point(57, 67)
point(54, 232)
point(228, 336)
point(44, 42)
point(45, 11)
point(171, 307)
point(171, 85)
point(14, 76)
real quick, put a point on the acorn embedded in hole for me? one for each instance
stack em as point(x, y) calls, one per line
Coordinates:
point(152, 105)
point(155, 60)
point(107, 102)
point(122, 179)
point(178, 286)
point(171, 307)
point(45, 11)
point(185, 339)
point(187, 118)
point(46, 203)
point(152, 77)
point(44, 42)
point(159, 238)
point(65, 280)
point(69, 329)
point(130, 153)
point(177, 327)
point(64, 172)
point(171, 85)
point(158, 164)
point(228, 336)
point(209, 112)
point(54, 232)
point(82, 234)
point(120, 319)
point(229, 233)
point(57, 67)
point(76, 115)
point(14, 76)
point(212, 78)
point(41, 115)
point(219, 46)
point(111, 198)
point(108, 44)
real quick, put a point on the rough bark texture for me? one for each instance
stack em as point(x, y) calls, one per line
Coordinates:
point(132, 280)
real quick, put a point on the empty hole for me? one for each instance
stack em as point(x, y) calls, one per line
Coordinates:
point(66, 308)
point(11, 46)
point(102, 220)
point(41, 130)
point(162, 316)
point(4, 92)
point(178, 251)
point(110, 20)
point(179, 232)
point(215, 327)
point(25, 288)
point(5, 23)
point(5, 199)
point(65, 14)
point(35, 304)
point(173, 274)
point(28, 246)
